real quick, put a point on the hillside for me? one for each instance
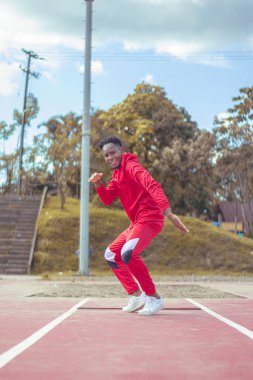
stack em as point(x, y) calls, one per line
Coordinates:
point(205, 250)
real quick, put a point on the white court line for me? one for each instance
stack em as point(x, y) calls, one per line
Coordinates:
point(240, 295)
point(241, 329)
point(9, 355)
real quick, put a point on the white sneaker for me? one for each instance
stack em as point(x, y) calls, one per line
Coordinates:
point(135, 303)
point(152, 306)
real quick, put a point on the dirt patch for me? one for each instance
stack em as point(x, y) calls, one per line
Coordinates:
point(103, 290)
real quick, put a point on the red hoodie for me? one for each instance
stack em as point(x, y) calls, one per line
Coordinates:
point(141, 196)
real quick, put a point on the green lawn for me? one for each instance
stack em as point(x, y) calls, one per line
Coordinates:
point(206, 249)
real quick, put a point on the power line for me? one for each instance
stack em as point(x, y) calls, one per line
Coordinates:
point(112, 55)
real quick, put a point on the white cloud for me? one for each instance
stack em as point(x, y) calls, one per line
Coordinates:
point(48, 75)
point(80, 68)
point(193, 52)
point(132, 46)
point(185, 29)
point(8, 78)
point(222, 116)
point(97, 67)
point(181, 28)
point(178, 49)
point(198, 2)
point(149, 78)
point(151, 1)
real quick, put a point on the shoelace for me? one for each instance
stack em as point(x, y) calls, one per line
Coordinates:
point(148, 302)
point(132, 300)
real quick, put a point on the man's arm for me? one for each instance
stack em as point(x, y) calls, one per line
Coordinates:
point(154, 188)
point(106, 194)
point(175, 220)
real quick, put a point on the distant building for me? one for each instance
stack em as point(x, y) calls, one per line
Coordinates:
point(231, 211)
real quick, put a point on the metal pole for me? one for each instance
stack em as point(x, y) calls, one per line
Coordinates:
point(20, 169)
point(85, 163)
point(31, 55)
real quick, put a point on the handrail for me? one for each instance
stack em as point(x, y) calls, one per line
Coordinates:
point(36, 229)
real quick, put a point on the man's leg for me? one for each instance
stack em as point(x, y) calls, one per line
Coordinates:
point(137, 240)
point(120, 269)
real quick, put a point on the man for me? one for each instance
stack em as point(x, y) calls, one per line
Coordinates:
point(145, 204)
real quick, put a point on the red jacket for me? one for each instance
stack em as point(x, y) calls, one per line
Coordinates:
point(141, 196)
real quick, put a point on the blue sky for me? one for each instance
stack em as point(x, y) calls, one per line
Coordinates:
point(199, 51)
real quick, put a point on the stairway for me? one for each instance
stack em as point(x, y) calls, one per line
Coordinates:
point(18, 217)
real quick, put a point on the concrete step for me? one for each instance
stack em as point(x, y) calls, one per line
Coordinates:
point(16, 270)
point(2, 268)
point(8, 240)
point(20, 252)
point(24, 256)
point(18, 262)
point(18, 216)
point(4, 259)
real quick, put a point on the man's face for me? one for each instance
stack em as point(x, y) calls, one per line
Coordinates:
point(112, 154)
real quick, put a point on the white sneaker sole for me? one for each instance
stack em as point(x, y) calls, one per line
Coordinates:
point(137, 307)
point(146, 313)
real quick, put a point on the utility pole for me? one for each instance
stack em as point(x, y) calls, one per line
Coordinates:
point(26, 70)
point(85, 163)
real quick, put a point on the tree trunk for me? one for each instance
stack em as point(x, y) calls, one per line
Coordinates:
point(62, 195)
point(247, 215)
point(247, 219)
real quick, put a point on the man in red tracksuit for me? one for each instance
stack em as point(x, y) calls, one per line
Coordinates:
point(145, 204)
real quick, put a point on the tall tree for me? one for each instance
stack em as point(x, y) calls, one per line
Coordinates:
point(62, 144)
point(7, 161)
point(161, 134)
point(147, 121)
point(235, 146)
point(185, 171)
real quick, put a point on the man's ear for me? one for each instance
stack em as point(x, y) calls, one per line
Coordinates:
point(122, 149)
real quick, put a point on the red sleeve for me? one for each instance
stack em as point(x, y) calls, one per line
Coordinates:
point(107, 194)
point(142, 176)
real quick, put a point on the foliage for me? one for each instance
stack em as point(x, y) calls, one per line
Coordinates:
point(168, 143)
point(147, 121)
point(205, 249)
point(185, 171)
point(234, 134)
point(60, 146)
point(9, 162)
point(195, 167)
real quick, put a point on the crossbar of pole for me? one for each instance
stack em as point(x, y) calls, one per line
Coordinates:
point(85, 160)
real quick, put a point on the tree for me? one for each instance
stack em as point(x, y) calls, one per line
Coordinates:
point(7, 162)
point(61, 144)
point(185, 171)
point(168, 143)
point(234, 135)
point(147, 121)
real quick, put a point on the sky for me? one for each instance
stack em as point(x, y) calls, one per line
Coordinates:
point(199, 51)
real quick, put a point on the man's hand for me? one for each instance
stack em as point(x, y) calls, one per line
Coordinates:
point(95, 178)
point(176, 221)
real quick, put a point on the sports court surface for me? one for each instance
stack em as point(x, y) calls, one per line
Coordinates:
point(47, 336)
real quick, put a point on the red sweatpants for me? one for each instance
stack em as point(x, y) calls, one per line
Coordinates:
point(123, 256)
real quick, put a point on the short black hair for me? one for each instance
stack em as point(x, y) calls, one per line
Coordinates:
point(109, 140)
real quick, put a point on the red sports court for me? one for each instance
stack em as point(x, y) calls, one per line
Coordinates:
point(79, 338)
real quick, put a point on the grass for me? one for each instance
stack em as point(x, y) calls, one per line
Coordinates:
point(206, 250)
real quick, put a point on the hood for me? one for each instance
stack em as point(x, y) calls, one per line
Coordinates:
point(126, 157)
